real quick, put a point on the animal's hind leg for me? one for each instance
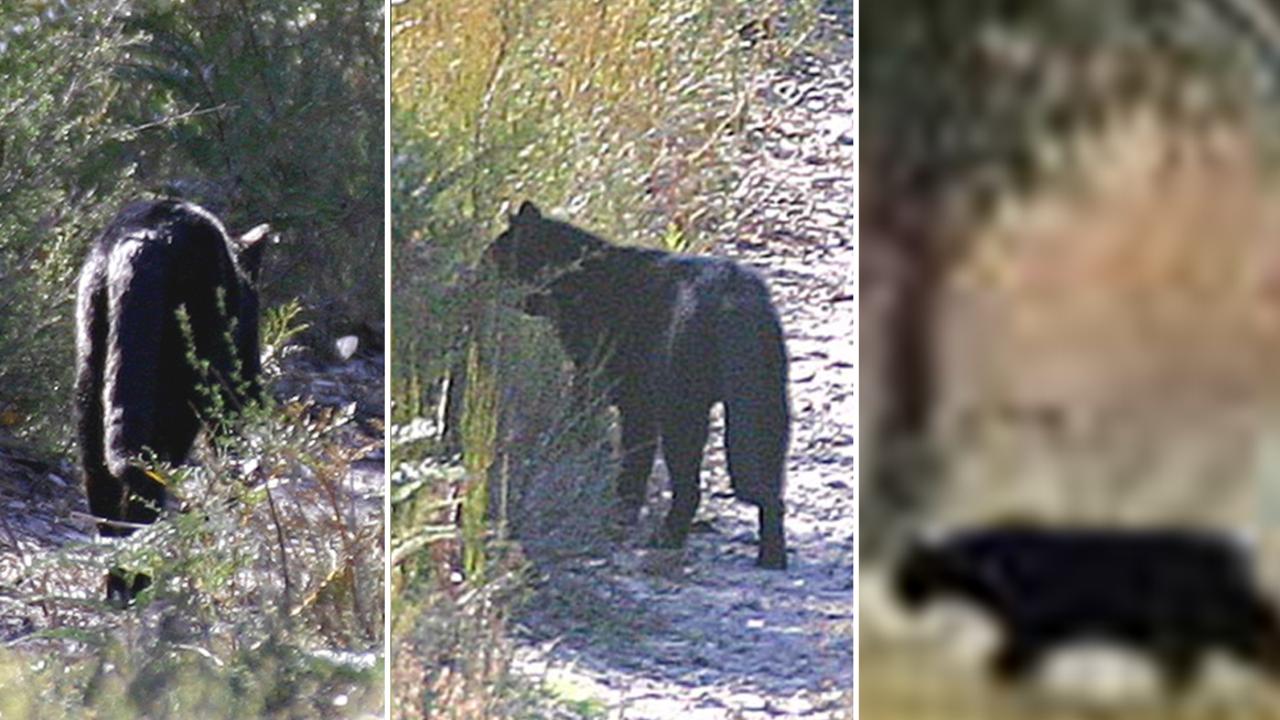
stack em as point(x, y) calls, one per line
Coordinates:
point(773, 549)
point(106, 501)
point(142, 506)
point(146, 497)
point(684, 437)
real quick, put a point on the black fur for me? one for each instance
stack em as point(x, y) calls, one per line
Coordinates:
point(136, 389)
point(675, 334)
point(1174, 594)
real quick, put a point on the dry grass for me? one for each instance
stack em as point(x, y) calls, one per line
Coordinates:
point(618, 115)
point(266, 600)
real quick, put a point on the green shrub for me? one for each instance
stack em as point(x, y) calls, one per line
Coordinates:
point(275, 109)
point(265, 109)
point(59, 182)
point(267, 576)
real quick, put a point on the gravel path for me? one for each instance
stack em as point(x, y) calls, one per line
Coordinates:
point(711, 636)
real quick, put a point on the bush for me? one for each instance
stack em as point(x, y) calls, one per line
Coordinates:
point(275, 108)
point(59, 182)
point(267, 593)
point(263, 110)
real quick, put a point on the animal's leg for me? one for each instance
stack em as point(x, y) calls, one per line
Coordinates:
point(1179, 666)
point(1016, 659)
point(121, 591)
point(639, 443)
point(773, 550)
point(684, 437)
point(137, 278)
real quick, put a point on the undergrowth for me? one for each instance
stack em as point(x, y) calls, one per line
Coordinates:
point(267, 593)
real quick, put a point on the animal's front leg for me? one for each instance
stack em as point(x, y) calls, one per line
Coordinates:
point(639, 443)
point(1019, 656)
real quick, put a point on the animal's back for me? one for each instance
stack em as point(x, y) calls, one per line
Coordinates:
point(678, 315)
point(1131, 585)
point(135, 386)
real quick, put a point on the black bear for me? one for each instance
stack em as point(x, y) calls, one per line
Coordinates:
point(674, 334)
point(1174, 594)
point(137, 389)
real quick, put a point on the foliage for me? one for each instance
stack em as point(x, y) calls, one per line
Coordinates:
point(275, 106)
point(267, 590)
point(969, 104)
point(980, 96)
point(58, 184)
point(265, 109)
point(616, 112)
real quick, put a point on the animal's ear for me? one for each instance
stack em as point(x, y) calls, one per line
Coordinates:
point(255, 236)
point(251, 245)
point(528, 212)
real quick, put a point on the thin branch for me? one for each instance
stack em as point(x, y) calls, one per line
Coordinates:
point(121, 134)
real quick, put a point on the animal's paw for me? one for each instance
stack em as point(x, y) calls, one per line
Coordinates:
point(123, 590)
point(625, 514)
point(666, 540)
point(772, 559)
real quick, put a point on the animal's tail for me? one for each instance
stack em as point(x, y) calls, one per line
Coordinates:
point(753, 363)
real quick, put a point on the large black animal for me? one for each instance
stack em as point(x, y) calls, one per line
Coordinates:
point(137, 389)
point(1173, 594)
point(673, 334)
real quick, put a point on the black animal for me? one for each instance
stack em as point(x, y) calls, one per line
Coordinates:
point(137, 391)
point(674, 335)
point(1174, 594)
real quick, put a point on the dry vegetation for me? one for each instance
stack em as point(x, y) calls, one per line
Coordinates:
point(267, 594)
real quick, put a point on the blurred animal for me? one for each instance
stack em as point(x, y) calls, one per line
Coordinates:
point(1174, 594)
point(673, 335)
point(137, 390)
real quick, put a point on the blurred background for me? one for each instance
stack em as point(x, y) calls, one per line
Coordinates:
point(1070, 311)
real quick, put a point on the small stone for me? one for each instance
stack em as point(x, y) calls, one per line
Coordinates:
point(346, 346)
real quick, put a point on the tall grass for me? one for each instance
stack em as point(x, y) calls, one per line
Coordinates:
point(620, 116)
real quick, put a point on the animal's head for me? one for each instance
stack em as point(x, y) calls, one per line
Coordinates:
point(248, 250)
point(533, 247)
point(924, 571)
